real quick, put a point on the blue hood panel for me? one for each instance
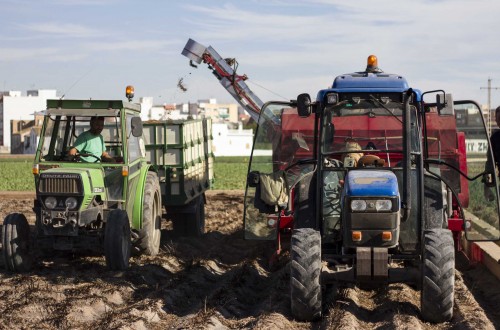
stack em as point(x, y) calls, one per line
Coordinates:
point(371, 183)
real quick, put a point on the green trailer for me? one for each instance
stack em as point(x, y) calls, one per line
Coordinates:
point(181, 153)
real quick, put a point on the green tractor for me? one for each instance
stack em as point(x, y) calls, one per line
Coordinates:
point(112, 207)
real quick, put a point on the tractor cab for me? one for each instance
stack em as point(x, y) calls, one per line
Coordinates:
point(371, 128)
point(65, 120)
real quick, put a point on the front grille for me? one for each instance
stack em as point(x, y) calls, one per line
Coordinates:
point(59, 185)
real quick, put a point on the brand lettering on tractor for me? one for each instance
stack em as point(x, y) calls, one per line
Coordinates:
point(370, 180)
point(60, 176)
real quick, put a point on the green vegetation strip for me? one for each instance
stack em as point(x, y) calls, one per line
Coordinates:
point(230, 174)
point(15, 173)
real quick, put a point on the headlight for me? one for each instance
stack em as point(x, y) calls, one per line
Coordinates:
point(71, 203)
point(50, 202)
point(383, 205)
point(358, 205)
point(332, 98)
point(371, 205)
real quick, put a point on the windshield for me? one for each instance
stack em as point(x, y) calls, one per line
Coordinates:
point(371, 107)
point(352, 129)
point(62, 131)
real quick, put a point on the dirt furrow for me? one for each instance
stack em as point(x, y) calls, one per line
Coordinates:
point(217, 281)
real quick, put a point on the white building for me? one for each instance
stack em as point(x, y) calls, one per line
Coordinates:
point(231, 142)
point(151, 111)
point(14, 106)
point(218, 112)
point(226, 142)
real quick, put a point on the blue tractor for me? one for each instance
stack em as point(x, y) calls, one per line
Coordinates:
point(371, 184)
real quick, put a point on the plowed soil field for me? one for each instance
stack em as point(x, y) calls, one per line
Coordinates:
point(219, 281)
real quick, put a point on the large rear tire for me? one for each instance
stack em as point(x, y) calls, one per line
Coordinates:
point(117, 240)
point(305, 272)
point(150, 234)
point(438, 276)
point(191, 221)
point(16, 242)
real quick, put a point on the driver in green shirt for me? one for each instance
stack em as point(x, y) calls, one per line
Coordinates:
point(91, 142)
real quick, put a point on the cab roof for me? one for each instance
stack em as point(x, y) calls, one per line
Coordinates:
point(367, 82)
point(90, 107)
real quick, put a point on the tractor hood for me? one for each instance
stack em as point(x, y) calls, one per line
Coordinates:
point(371, 183)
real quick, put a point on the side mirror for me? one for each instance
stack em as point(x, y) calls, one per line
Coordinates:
point(445, 104)
point(304, 105)
point(136, 125)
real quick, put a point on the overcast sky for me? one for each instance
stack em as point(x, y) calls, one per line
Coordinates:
point(94, 48)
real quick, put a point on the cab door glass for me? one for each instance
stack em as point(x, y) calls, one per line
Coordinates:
point(112, 137)
point(282, 140)
point(134, 143)
point(459, 152)
point(482, 209)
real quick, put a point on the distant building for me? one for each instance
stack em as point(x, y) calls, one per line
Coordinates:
point(31, 140)
point(230, 139)
point(151, 111)
point(231, 142)
point(228, 113)
point(25, 135)
point(15, 106)
point(217, 111)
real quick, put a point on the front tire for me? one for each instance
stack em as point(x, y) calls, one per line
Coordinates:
point(438, 276)
point(305, 272)
point(16, 242)
point(150, 234)
point(117, 241)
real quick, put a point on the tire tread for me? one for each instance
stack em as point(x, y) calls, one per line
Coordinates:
point(438, 276)
point(305, 271)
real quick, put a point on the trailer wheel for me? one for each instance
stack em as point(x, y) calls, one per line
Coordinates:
point(305, 271)
point(196, 221)
point(191, 222)
point(150, 234)
point(16, 242)
point(117, 241)
point(438, 276)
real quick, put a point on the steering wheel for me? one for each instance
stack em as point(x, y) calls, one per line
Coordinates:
point(331, 162)
point(77, 157)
